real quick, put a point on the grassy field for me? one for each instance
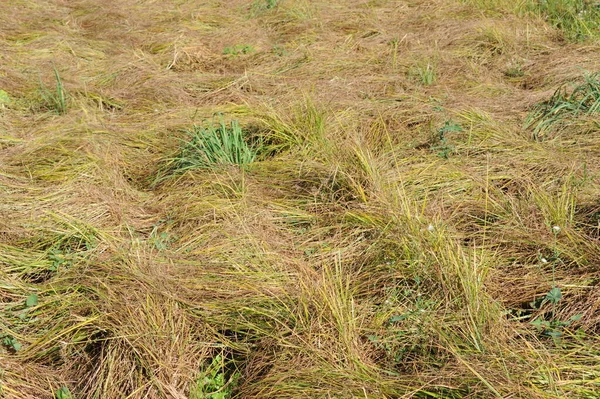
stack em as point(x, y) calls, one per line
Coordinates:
point(299, 199)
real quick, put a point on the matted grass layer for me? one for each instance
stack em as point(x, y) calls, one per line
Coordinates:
point(373, 219)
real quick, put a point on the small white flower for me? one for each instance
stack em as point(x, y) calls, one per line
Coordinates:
point(544, 260)
point(556, 229)
point(430, 227)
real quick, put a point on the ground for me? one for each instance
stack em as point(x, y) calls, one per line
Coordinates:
point(419, 215)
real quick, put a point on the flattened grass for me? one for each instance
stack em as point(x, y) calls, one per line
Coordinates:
point(378, 224)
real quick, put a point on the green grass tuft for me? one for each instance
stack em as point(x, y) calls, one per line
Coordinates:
point(578, 19)
point(55, 100)
point(212, 147)
point(565, 106)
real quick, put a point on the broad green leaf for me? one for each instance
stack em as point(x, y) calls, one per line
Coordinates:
point(536, 322)
point(540, 323)
point(63, 393)
point(12, 342)
point(373, 338)
point(576, 317)
point(554, 295)
point(554, 333)
point(31, 301)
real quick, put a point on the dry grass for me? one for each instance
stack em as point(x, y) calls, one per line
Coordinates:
point(396, 235)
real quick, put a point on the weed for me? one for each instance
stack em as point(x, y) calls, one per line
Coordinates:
point(160, 240)
point(565, 106)
point(552, 326)
point(514, 71)
point(424, 73)
point(263, 5)
point(57, 99)
point(214, 382)
point(238, 49)
point(442, 145)
point(11, 342)
point(59, 259)
point(280, 51)
point(578, 19)
point(31, 301)
point(212, 146)
point(63, 393)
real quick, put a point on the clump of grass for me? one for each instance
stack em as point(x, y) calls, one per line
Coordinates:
point(423, 73)
point(578, 19)
point(394, 43)
point(302, 127)
point(212, 147)
point(564, 106)
point(57, 99)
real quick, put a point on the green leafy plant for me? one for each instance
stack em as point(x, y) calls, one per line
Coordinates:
point(31, 301)
point(399, 343)
point(160, 240)
point(263, 5)
point(57, 99)
point(59, 259)
point(443, 147)
point(63, 393)
point(213, 382)
point(211, 147)
point(12, 343)
point(553, 326)
point(238, 49)
point(280, 51)
point(269, 4)
point(565, 105)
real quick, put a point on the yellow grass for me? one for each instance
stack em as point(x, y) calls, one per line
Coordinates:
point(396, 236)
